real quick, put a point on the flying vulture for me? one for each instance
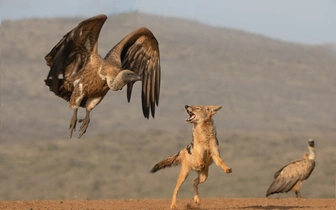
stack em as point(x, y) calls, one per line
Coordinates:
point(78, 74)
point(291, 176)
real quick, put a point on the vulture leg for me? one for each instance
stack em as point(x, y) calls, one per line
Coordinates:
point(85, 123)
point(73, 122)
point(298, 194)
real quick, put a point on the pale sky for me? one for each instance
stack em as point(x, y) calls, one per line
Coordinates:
point(302, 21)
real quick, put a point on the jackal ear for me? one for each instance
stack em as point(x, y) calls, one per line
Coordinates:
point(214, 109)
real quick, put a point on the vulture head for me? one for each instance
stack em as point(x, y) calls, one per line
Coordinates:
point(123, 78)
point(311, 143)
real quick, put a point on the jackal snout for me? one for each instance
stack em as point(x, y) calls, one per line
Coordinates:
point(191, 114)
point(200, 113)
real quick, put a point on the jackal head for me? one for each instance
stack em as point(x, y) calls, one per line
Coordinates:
point(198, 114)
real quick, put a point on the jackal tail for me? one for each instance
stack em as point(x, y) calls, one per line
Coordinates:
point(167, 162)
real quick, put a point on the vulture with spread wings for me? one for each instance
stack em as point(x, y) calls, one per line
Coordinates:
point(78, 74)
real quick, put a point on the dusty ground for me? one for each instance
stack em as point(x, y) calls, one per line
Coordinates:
point(208, 203)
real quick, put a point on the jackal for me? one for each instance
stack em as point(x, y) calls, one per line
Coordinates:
point(200, 153)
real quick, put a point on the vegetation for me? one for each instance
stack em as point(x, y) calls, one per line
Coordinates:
point(275, 96)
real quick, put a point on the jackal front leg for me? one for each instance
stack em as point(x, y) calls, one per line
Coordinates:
point(218, 161)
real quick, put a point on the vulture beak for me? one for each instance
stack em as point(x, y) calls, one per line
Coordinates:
point(136, 77)
point(139, 78)
point(130, 76)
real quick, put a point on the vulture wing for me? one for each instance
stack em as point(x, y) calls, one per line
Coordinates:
point(73, 52)
point(289, 175)
point(139, 52)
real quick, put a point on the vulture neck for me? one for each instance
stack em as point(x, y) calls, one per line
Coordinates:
point(312, 153)
point(117, 83)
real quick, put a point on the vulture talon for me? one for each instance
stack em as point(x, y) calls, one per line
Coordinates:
point(85, 123)
point(73, 123)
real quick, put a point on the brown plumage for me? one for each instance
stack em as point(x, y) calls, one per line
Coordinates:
point(81, 76)
point(291, 176)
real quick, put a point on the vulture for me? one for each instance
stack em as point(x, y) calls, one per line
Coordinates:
point(79, 75)
point(291, 176)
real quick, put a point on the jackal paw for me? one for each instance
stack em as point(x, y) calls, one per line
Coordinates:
point(228, 170)
point(196, 199)
point(173, 206)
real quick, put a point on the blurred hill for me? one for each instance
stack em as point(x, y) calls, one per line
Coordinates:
point(275, 95)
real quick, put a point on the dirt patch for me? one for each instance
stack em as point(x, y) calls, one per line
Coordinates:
point(151, 204)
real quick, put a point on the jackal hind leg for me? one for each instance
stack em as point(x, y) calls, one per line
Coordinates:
point(184, 172)
point(219, 162)
point(202, 176)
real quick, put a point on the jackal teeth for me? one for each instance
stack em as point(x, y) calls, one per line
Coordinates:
point(191, 116)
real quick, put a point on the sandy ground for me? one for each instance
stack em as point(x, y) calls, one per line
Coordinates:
point(151, 204)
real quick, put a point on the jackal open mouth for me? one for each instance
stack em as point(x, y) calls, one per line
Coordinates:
point(191, 115)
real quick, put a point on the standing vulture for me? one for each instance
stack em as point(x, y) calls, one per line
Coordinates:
point(78, 74)
point(291, 176)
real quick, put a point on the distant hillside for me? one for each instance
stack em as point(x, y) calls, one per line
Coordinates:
point(263, 84)
point(275, 95)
